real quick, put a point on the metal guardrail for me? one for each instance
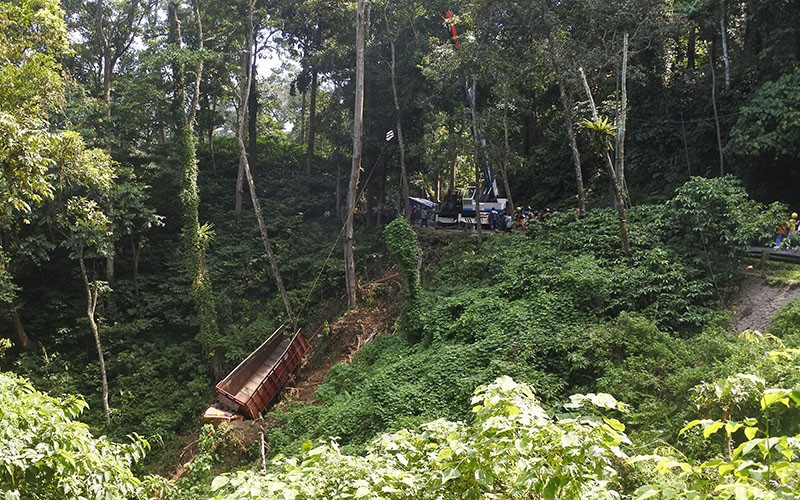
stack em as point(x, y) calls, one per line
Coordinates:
point(782, 254)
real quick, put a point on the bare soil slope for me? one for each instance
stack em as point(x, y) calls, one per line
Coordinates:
point(757, 301)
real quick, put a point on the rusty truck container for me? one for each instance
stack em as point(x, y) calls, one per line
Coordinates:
point(252, 385)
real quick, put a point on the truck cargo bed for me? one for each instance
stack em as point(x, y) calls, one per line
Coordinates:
point(252, 385)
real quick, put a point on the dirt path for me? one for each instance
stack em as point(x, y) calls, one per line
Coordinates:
point(337, 342)
point(757, 301)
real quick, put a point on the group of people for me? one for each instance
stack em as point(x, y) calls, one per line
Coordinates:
point(524, 215)
point(786, 229)
point(421, 214)
point(505, 220)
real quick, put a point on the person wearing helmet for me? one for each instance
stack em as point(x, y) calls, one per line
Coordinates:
point(786, 229)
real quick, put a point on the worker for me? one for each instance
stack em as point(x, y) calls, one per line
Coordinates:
point(783, 232)
point(493, 220)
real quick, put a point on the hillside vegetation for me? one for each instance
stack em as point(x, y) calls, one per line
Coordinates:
point(429, 411)
point(170, 194)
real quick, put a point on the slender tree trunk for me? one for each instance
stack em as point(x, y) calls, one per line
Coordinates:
point(723, 31)
point(136, 250)
point(92, 294)
point(106, 61)
point(339, 191)
point(105, 56)
point(476, 140)
point(358, 131)
point(247, 81)
point(399, 126)
point(619, 199)
point(312, 120)
point(622, 119)
point(691, 48)
point(262, 226)
point(237, 202)
point(451, 130)
point(243, 118)
point(716, 117)
point(566, 106)
point(573, 143)
point(506, 150)
point(303, 117)
point(18, 330)
point(252, 112)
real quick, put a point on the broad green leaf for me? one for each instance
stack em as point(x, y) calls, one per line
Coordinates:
point(774, 396)
point(615, 424)
point(693, 423)
point(219, 482)
point(646, 491)
point(712, 428)
point(450, 475)
point(731, 427)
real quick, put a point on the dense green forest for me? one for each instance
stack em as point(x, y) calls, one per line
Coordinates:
point(179, 178)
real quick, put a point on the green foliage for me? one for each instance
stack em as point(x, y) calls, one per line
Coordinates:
point(33, 36)
point(47, 454)
point(512, 448)
point(758, 459)
point(769, 123)
point(402, 243)
point(785, 323)
point(712, 220)
point(221, 445)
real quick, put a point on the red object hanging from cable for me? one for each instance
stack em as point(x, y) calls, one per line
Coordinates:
point(448, 14)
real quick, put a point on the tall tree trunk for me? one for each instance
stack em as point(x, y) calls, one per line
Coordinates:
point(106, 63)
point(339, 191)
point(247, 81)
point(243, 119)
point(566, 105)
point(105, 56)
point(451, 178)
point(303, 117)
point(619, 199)
point(252, 110)
point(573, 142)
point(691, 48)
point(399, 126)
point(202, 291)
point(506, 151)
point(92, 293)
point(622, 119)
point(358, 131)
point(476, 141)
point(312, 120)
point(716, 117)
point(237, 202)
point(723, 31)
point(136, 250)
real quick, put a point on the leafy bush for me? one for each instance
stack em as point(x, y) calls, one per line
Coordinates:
point(512, 448)
point(710, 221)
point(47, 454)
point(402, 243)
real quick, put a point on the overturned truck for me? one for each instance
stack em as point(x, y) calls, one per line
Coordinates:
point(259, 379)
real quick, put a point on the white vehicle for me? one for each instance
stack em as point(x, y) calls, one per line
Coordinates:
point(467, 214)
